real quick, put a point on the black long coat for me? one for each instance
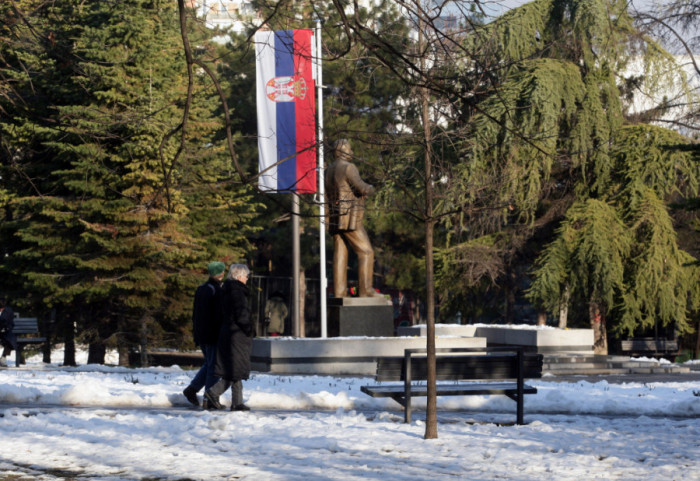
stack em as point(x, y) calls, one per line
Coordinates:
point(7, 323)
point(206, 313)
point(236, 335)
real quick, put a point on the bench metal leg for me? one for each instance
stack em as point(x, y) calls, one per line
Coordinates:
point(520, 411)
point(408, 379)
point(521, 383)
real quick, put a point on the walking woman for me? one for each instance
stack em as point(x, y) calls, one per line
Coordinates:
point(235, 341)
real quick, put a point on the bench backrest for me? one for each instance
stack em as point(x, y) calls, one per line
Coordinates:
point(461, 367)
point(26, 325)
point(649, 344)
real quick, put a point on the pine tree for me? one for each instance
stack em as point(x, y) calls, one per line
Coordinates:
point(551, 139)
point(120, 241)
point(35, 60)
point(540, 118)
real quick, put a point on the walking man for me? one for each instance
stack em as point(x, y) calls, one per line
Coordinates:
point(235, 341)
point(206, 324)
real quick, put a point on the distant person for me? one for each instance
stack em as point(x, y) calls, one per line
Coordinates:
point(235, 341)
point(7, 337)
point(276, 311)
point(206, 324)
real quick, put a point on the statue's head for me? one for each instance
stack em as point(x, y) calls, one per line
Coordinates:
point(343, 149)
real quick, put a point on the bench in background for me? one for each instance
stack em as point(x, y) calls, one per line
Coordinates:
point(507, 367)
point(650, 347)
point(25, 326)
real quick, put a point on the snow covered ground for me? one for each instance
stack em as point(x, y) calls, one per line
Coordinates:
point(108, 423)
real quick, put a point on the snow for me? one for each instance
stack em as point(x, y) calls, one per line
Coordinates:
point(111, 423)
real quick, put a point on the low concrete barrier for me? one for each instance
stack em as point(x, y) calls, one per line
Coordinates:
point(542, 339)
point(338, 355)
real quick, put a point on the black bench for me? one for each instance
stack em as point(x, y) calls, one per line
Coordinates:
point(650, 346)
point(25, 326)
point(468, 368)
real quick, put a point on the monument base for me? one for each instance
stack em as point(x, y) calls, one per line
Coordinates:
point(355, 356)
point(542, 339)
point(360, 316)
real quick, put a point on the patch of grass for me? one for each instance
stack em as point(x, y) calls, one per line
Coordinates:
point(684, 355)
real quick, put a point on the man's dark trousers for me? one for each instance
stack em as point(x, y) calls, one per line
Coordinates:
point(205, 376)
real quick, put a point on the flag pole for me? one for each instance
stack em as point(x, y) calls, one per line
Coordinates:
point(321, 185)
point(296, 267)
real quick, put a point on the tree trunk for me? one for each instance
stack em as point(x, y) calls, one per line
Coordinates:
point(509, 304)
point(431, 411)
point(596, 314)
point(69, 343)
point(47, 332)
point(123, 346)
point(564, 309)
point(96, 352)
point(143, 344)
point(431, 431)
point(541, 318)
point(302, 303)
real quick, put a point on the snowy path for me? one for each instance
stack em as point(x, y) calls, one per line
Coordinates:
point(124, 444)
point(100, 423)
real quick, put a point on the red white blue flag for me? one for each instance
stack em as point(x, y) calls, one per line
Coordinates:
point(286, 110)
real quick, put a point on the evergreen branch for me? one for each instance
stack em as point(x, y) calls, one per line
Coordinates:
point(217, 84)
point(677, 35)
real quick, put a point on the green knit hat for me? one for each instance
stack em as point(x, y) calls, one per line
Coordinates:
point(215, 268)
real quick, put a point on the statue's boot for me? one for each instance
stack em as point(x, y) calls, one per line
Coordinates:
point(340, 266)
point(365, 273)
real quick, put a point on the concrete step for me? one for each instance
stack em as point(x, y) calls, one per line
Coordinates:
point(574, 366)
point(585, 364)
point(631, 365)
point(583, 372)
point(577, 358)
point(659, 370)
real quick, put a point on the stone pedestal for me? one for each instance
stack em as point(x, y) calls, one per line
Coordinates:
point(542, 339)
point(360, 316)
point(355, 356)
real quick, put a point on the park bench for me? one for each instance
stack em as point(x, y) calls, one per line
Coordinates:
point(650, 347)
point(25, 326)
point(470, 371)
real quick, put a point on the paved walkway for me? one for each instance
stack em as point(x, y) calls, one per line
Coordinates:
point(691, 376)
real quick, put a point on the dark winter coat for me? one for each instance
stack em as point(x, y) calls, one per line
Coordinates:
point(236, 335)
point(7, 323)
point(206, 313)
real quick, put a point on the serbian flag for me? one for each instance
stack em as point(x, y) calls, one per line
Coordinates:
point(286, 110)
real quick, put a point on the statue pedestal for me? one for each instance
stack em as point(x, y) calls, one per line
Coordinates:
point(360, 316)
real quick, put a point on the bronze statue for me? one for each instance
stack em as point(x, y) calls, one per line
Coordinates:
point(346, 193)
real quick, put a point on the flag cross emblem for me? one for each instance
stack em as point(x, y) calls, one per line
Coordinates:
point(286, 89)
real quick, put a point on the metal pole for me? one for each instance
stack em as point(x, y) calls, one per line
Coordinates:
point(321, 181)
point(296, 264)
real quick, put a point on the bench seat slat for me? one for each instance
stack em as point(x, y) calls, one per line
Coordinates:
point(24, 331)
point(30, 340)
point(449, 389)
